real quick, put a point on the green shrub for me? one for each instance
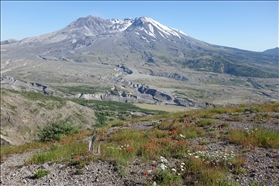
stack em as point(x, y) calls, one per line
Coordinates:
point(164, 177)
point(41, 173)
point(101, 119)
point(239, 171)
point(55, 131)
point(206, 122)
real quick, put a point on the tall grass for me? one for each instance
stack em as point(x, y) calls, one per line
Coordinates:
point(261, 137)
point(67, 149)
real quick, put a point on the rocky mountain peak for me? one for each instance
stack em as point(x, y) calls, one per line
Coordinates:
point(90, 25)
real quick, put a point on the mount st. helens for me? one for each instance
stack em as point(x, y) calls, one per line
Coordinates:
point(140, 61)
point(137, 60)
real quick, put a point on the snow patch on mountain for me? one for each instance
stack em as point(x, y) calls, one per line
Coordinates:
point(162, 28)
point(89, 32)
point(120, 24)
point(144, 38)
point(162, 35)
point(150, 33)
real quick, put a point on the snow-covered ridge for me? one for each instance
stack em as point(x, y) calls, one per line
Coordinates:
point(119, 25)
point(162, 28)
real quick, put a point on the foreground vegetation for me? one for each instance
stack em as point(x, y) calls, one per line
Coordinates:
point(111, 111)
point(169, 142)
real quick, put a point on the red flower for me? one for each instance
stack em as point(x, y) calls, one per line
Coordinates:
point(77, 157)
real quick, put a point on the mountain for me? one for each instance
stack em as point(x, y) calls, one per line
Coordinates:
point(135, 60)
point(8, 41)
point(273, 51)
point(145, 38)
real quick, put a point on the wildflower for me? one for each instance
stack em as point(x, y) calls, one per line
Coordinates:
point(196, 156)
point(182, 136)
point(145, 173)
point(77, 157)
point(163, 160)
point(173, 169)
point(163, 166)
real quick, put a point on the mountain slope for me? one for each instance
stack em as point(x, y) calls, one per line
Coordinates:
point(22, 113)
point(142, 39)
point(272, 51)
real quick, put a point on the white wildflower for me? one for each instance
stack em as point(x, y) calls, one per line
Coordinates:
point(163, 160)
point(163, 166)
point(182, 136)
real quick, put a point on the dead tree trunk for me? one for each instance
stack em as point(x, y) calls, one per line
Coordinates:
point(91, 143)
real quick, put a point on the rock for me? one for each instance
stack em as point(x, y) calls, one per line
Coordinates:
point(24, 181)
point(268, 155)
point(252, 175)
point(45, 166)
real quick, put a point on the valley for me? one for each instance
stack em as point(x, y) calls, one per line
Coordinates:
point(169, 109)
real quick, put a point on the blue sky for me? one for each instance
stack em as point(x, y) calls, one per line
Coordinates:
point(245, 25)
